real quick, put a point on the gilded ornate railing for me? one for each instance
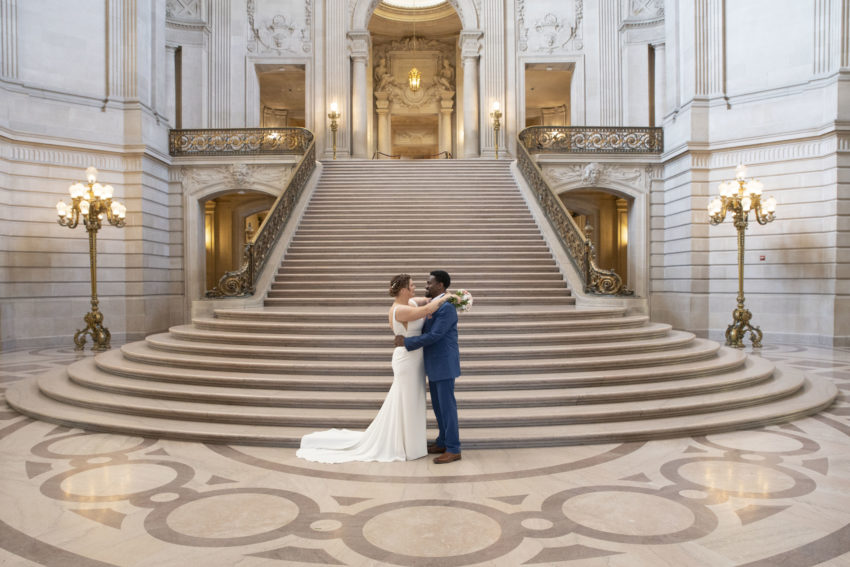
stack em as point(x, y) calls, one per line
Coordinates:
point(578, 247)
point(570, 139)
point(239, 141)
point(241, 282)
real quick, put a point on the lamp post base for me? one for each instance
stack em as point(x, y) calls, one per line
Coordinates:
point(740, 327)
point(100, 335)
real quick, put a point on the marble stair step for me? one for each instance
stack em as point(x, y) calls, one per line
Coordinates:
point(812, 397)
point(404, 248)
point(694, 350)
point(507, 301)
point(469, 326)
point(71, 393)
point(87, 373)
point(483, 314)
point(540, 277)
point(417, 267)
point(329, 351)
point(322, 293)
point(724, 360)
point(380, 337)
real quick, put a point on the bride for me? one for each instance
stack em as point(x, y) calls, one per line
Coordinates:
point(398, 431)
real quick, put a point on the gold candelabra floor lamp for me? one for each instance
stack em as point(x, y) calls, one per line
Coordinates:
point(740, 197)
point(92, 203)
point(496, 115)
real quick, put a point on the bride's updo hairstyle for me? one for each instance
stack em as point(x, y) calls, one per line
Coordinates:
point(398, 283)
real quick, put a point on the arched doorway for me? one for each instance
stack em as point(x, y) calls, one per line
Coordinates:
point(607, 216)
point(414, 79)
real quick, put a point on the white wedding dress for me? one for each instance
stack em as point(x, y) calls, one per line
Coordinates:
point(398, 431)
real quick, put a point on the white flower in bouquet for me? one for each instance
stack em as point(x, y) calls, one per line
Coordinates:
point(461, 299)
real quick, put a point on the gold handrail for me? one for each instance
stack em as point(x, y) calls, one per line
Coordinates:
point(592, 139)
point(578, 247)
point(239, 141)
point(241, 282)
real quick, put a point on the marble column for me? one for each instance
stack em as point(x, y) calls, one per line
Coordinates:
point(171, 85)
point(660, 82)
point(470, 44)
point(382, 105)
point(359, 46)
point(446, 129)
point(9, 39)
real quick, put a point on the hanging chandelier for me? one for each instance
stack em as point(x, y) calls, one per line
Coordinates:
point(414, 77)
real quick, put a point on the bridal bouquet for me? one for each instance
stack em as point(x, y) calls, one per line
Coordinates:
point(461, 299)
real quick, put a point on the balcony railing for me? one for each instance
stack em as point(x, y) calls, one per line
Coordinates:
point(578, 247)
point(238, 142)
point(592, 139)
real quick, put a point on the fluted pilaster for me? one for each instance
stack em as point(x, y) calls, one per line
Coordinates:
point(710, 56)
point(336, 62)
point(9, 39)
point(493, 72)
point(122, 41)
point(845, 33)
point(219, 64)
point(611, 91)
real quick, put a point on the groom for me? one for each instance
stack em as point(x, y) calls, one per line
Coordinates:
point(442, 365)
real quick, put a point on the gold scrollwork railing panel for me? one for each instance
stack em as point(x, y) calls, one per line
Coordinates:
point(239, 141)
point(575, 139)
point(577, 245)
point(241, 282)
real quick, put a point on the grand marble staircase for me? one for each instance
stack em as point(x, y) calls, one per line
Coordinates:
point(537, 370)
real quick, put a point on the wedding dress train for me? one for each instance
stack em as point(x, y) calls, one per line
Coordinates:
point(398, 431)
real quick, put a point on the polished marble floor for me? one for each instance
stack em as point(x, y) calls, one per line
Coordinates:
point(776, 496)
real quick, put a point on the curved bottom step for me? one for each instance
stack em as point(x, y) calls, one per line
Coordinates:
point(815, 395)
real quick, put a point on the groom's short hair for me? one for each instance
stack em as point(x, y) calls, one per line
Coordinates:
point(443, 277)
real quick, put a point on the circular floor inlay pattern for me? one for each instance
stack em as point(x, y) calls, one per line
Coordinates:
point(735, 477)
point(232, 515)
point(325, 525)
point(756, 441)
point(165, 497)
point(114, 480)
point(628, 513)
point(94, 444)
point(440, 531)
point(537, 524)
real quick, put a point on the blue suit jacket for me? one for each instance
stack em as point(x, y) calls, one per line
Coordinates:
point(439, 339)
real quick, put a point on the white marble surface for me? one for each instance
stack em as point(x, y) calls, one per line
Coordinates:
point(778, 495)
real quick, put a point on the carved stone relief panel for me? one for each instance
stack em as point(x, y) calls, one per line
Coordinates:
point(234, 177)
point(646, 9)
point(434, 59)
point(280, 27)
point(550, 28)
point(183, 11)
point(595, 174)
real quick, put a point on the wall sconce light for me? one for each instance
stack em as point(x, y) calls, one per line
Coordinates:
point(334, 116)
point(739, 197)
point(496, 115)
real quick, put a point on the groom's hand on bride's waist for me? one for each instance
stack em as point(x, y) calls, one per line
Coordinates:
point(399, 340)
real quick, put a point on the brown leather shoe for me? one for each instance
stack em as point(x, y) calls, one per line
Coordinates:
point(434, 449)
point(447, 458)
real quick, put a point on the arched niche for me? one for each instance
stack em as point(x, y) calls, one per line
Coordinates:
point(631, 182)
point(465, 9)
